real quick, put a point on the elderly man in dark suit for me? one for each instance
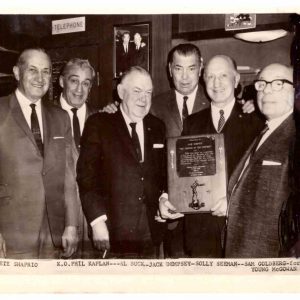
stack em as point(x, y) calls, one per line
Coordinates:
point(203, 233)
point(38, 209)
point(260, 184)
point(121, 172)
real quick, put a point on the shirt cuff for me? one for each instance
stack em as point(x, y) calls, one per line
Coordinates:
point(97, 220)
point(163, 195)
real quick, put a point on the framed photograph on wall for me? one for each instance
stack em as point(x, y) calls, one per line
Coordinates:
point(132, 47)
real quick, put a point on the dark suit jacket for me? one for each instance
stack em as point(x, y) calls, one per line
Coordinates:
point(32, 182)
point(112, 181)
point(165, 107)
point(123, 59)
point(239, 131)
point(255, 202)
point(139, 57)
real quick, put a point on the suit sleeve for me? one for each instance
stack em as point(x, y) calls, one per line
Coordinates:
point(91, 176)
point(71, 195)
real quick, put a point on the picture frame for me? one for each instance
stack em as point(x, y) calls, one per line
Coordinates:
point(136, 48)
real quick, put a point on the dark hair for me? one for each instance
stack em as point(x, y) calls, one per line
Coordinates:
point(185, 50)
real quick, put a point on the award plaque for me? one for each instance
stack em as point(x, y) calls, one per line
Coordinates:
point(196, 172)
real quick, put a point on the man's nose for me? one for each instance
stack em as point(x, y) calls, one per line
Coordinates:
point(268, 88)
point(39, 76)
point(216, 81)
point(185, 74)
point(79, 87)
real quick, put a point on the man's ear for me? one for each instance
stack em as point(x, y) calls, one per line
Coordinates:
point(16, 71)
point(61, 81)
point(170, 69)
point(120, 89)
point(237, 79)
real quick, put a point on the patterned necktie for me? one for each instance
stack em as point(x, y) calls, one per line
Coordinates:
point(76, 128)
point(221, 120)
point(258, 139)
point(135, 141)
point(185, 112)
point(35, 128)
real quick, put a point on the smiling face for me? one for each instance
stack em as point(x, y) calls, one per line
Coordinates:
point(76, 84)
point(274, 104)
point(33, 75)
point(221, 79)
point(135, 91)
point(185, 72)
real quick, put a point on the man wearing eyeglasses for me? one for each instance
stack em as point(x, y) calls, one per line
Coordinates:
point(260, 184)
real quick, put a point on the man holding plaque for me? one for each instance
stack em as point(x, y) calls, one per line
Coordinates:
point(121, 172)
point(260, 184)
point(203, 233)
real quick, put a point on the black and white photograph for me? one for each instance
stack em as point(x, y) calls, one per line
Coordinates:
point(150, 144)
point(132, 47)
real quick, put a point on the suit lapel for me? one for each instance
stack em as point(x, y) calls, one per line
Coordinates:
point(174, 112)
point(20, 119)
point(148, 142)
point(271, 140)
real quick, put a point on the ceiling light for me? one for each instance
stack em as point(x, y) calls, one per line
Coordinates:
point(261, 36)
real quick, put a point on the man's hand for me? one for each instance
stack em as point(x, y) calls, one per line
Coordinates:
point(220, 208)
point(167, 210)
point(101, 236)
point(2, 247)
point(69, 241)
point(110, 108)
point(248, 106)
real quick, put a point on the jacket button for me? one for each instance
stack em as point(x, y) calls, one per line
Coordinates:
point(140, 198)
point(142, 178)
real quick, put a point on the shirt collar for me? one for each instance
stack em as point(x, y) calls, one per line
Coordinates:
point(192, 95)
point(227, 108)
point(24, 101)
point(66, 106)
point(126, 118)
point(274, 123)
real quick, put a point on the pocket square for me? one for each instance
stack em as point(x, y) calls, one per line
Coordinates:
point(157, 146)
point(271, 163)
point(58, 137)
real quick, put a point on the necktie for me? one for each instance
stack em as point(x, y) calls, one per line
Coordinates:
point(221, 120)
point(185, 112)
point(258, 139)
point(35, 128)
point(76, 128)
point(136, 142)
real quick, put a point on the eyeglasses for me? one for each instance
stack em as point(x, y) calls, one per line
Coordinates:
point(276, 84)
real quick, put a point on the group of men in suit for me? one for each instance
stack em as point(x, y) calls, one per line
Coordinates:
point(205, 235)
point(121, 169)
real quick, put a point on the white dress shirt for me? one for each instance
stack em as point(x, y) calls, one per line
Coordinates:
point(27, 110)
point(215, 112)
point(81, 113)
point(189, 103)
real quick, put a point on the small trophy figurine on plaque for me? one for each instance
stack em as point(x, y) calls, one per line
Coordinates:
point(196, 172)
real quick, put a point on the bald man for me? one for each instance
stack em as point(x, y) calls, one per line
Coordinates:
point(260, 184)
